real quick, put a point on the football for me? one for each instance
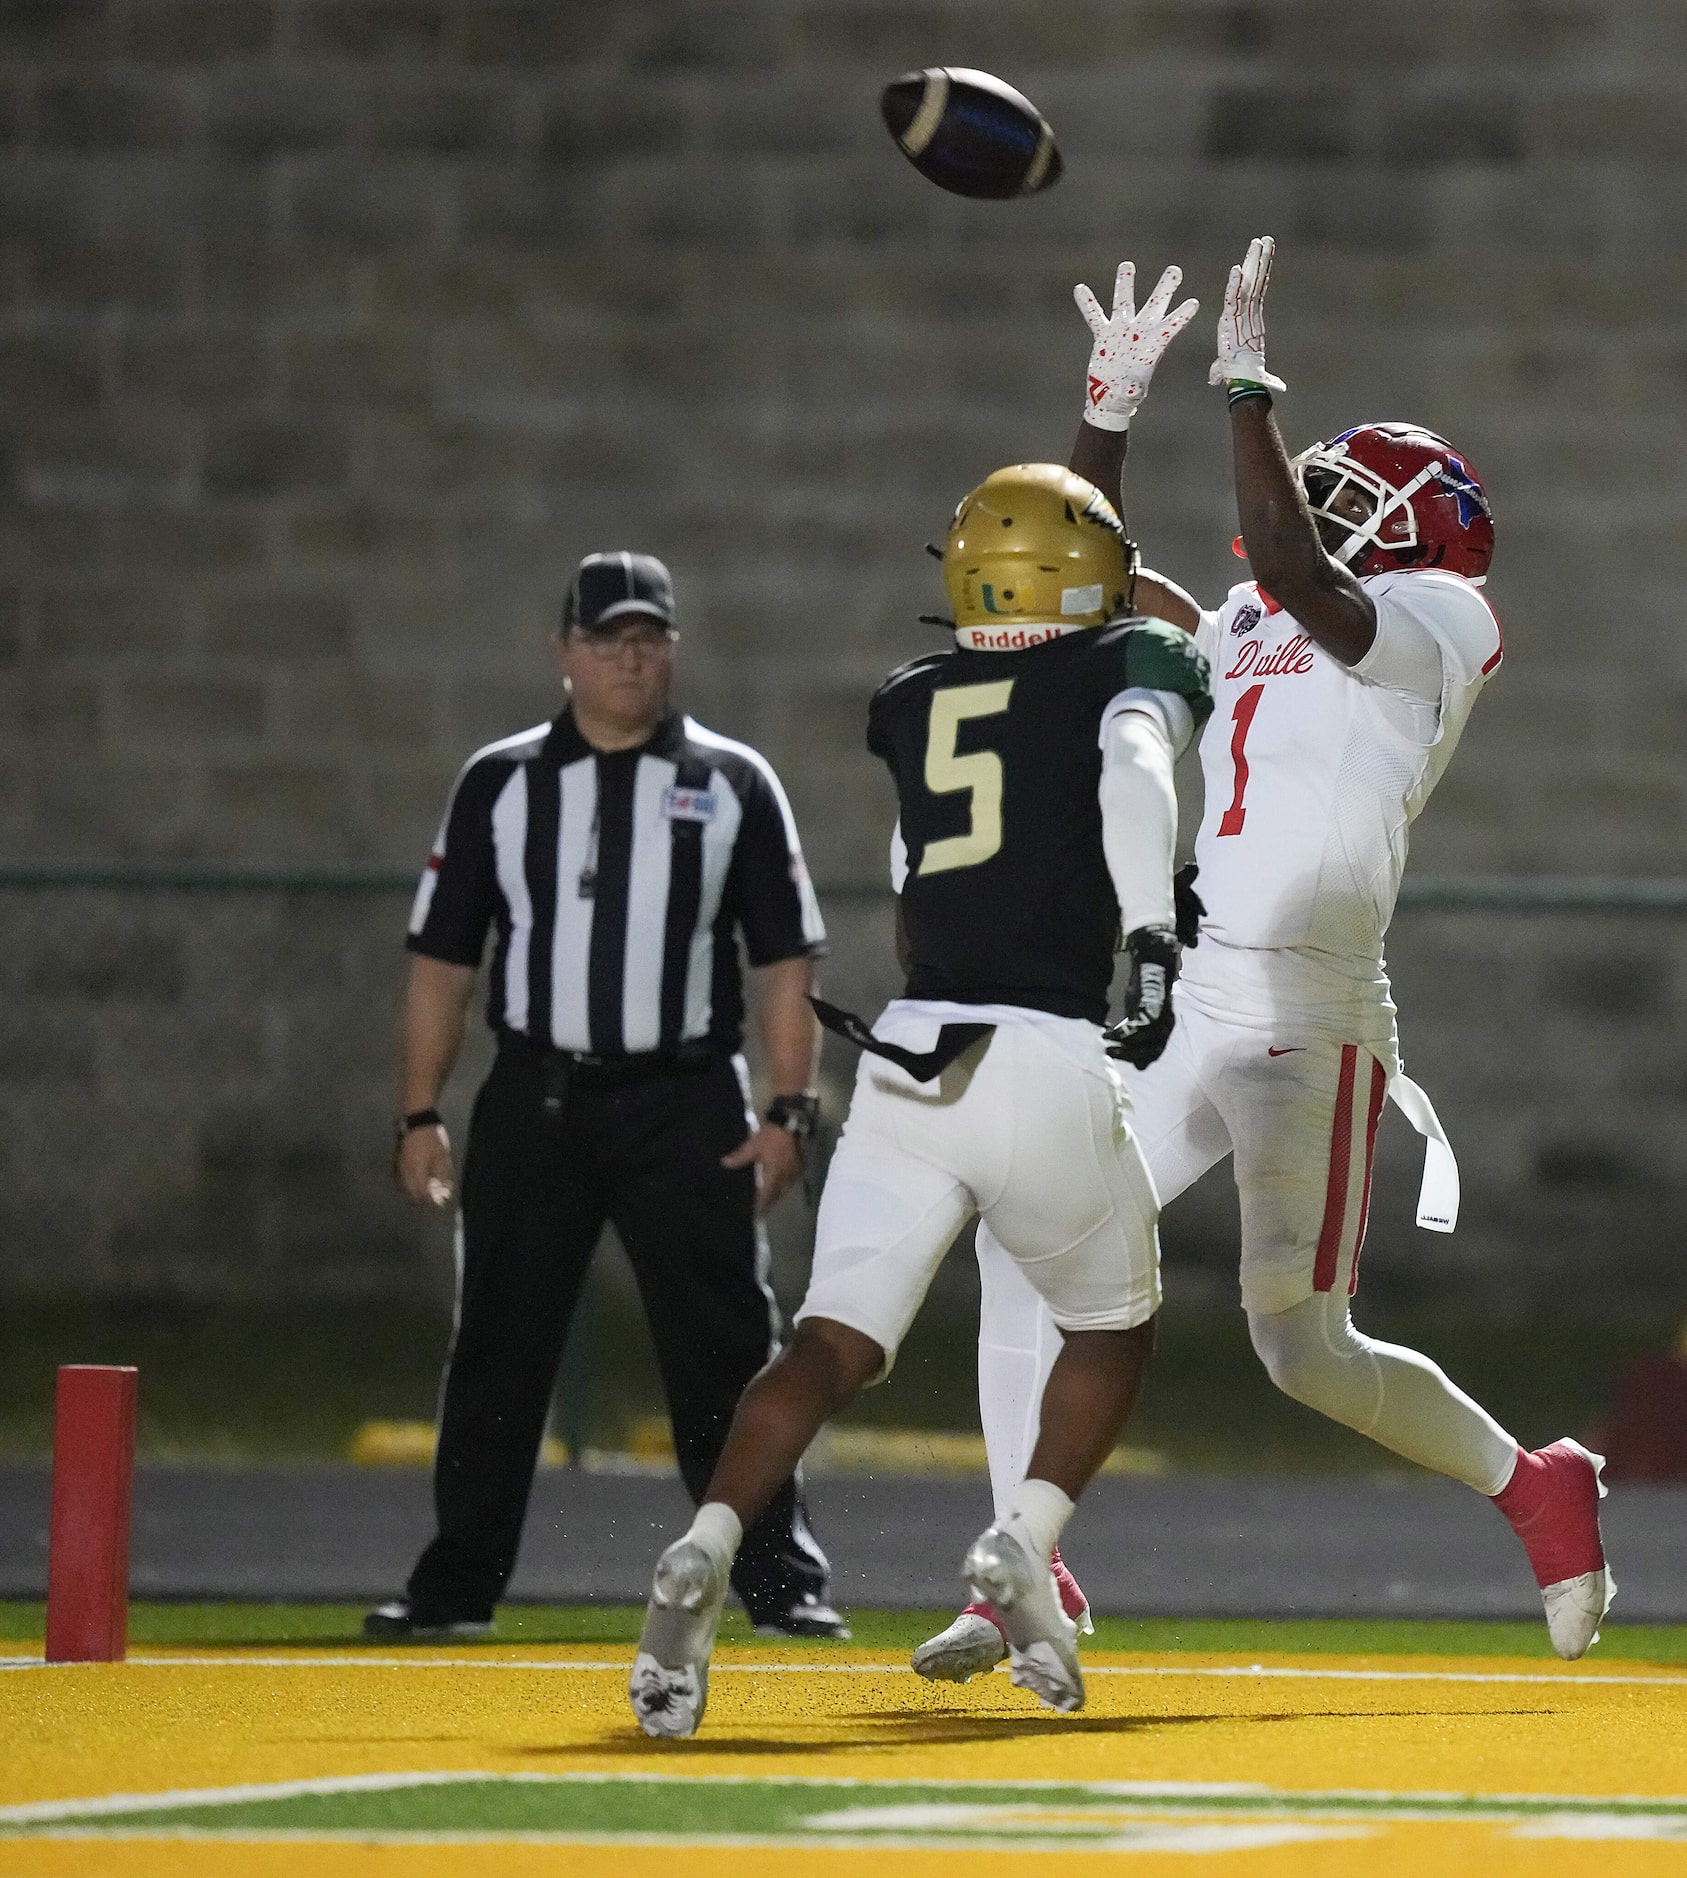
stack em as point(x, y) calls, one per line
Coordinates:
point(970, 133)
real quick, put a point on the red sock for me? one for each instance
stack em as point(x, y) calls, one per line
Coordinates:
point(1072, 1599)
point(1552, 1502)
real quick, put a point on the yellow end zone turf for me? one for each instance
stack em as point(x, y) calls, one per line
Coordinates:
point(1270, 1764)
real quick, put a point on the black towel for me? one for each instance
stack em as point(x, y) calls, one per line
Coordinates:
point(952, 1040)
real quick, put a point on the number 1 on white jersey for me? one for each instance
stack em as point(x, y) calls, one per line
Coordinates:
point(1242, 717)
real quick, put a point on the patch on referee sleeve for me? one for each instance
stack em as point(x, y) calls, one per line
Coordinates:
point(689, 805)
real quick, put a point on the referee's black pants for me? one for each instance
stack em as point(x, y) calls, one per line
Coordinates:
point(537, 1186)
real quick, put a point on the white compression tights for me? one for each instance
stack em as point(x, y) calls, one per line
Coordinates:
point(1311, 1352)
point(1395, 1396)
point(1017, 1344)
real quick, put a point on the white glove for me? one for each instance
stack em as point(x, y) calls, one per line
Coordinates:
point(1128, 346)
point(1241, 326)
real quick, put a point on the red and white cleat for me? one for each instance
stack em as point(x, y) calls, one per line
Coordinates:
point(1042, 1639)
point(1552, 1502)
point(972, 1646)
point(975, 1643)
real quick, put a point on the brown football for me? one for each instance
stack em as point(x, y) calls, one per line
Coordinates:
point(971, 133)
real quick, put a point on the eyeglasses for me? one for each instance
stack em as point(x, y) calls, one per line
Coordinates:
point(644, 642)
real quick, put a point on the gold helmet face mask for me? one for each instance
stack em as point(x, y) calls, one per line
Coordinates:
point(1033, 552)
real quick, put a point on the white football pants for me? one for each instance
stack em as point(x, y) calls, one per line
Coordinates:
point(1300, 1120)
point(1031, 1131)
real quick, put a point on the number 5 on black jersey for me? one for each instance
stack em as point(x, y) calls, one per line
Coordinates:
point(997, 762)
point(979, 773)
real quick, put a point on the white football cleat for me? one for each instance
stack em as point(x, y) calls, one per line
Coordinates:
point(1575, 1608)
point(971, 1646)
point(1042, 1639)
point(670, 1682)
point(974, 1643)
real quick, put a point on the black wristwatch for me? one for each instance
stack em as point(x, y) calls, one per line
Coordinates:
point(798, 1115)
point(417, 1118)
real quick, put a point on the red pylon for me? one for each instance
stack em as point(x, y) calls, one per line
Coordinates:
point(88, 1545)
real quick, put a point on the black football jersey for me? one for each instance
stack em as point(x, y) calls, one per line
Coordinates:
point(997, 763)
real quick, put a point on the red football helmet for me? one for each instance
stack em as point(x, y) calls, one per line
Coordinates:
point(1428, 508)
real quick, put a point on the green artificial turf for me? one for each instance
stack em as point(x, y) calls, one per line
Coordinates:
point(690, 1811)
point(327, 1626)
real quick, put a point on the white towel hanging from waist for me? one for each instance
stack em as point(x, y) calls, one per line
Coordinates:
point(1438, 1196)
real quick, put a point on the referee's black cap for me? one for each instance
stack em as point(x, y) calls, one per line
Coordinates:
point(608, 587)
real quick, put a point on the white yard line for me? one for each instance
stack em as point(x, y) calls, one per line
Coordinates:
point(1567, 1678)
point(1564, 1677)
point(1215, 1836)
point(230, 1796)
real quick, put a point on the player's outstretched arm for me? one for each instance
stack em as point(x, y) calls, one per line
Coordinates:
point(1282, 542)
point(1099, 457)
point(1278, 532)
point(1125, 348)
point(1159, 598)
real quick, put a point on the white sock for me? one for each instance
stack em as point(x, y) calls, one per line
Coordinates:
point(718, 1530)
point(1037, 1514)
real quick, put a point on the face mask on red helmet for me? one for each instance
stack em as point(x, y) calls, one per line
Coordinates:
point(1420, 504)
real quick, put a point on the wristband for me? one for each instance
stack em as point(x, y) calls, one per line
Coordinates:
point(1240, 388)
point(798, 1115)
point(417, 1118)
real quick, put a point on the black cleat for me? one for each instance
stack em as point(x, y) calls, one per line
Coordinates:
point(399, 1621)
point(808, 1617)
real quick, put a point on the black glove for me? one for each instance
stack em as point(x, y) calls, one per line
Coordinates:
point(1147, 1025)
point(1191, 909)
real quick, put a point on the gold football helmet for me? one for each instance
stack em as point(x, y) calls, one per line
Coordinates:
point(1035, 545)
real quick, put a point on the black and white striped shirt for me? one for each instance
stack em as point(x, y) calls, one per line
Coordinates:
point(617, 883)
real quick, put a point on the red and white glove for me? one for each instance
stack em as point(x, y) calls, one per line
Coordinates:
point(1241, 326)
point(1128, 345)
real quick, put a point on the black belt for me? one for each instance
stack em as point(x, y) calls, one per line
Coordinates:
point(583, 1068)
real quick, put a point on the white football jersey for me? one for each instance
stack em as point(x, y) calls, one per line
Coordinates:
point(1315, 770)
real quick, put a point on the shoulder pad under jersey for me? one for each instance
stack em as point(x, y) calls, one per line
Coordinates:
point(1160, 657)
point(911, 668)
point(900, 692)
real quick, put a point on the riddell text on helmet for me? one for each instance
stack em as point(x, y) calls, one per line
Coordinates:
point(1009, 638)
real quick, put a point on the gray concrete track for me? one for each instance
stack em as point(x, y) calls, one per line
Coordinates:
point(1190, 1545)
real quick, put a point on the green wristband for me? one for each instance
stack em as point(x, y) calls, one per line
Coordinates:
point(1239, 388)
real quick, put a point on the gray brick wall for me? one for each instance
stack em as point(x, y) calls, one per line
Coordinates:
point(333, 331)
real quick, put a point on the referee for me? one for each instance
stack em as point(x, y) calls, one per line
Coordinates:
point(618, 853)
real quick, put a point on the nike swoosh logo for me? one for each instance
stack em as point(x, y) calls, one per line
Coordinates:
point(1290, 1051)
